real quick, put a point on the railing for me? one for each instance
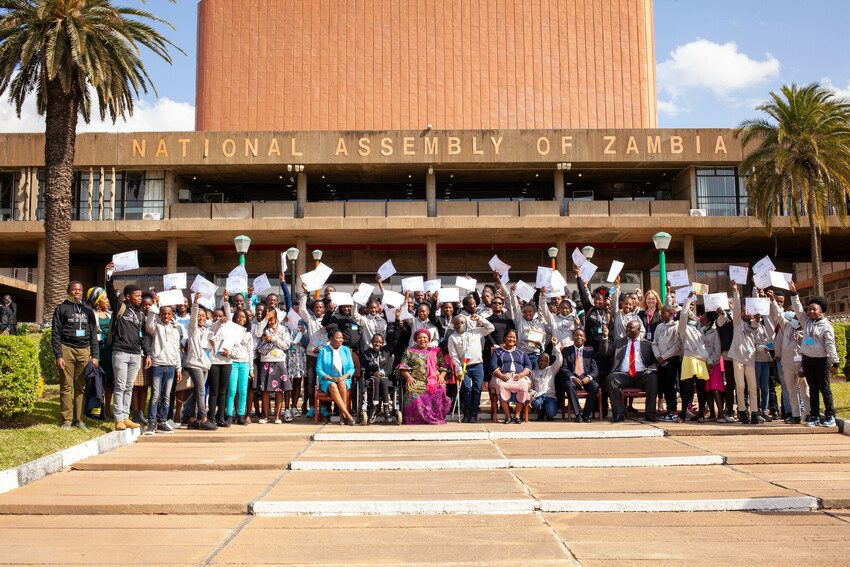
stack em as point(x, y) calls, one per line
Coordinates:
point(28, 275)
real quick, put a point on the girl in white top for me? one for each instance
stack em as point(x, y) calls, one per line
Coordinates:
point(198, 364)
point(275, 341)
point(242, 370)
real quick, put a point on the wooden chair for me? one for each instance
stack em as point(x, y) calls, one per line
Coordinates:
point(580, 394)
point(631, 393)
point(319, 396)
point(494, 407)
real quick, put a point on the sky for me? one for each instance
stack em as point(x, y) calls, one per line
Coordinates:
point(716, 61)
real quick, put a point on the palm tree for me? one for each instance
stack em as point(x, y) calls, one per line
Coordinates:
point(800, 161)
point(65, 51)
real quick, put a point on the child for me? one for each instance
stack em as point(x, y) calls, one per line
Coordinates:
point(198, 363)
point(742, 352)
point(165, 362)
point(667, 346)
point(242, 369)
point(699, 350)
point(274, 342)
point(318, 338)
point(296, 364)
point(820, 358)
point(218, 376)
point(543, 397)
point(788, 341)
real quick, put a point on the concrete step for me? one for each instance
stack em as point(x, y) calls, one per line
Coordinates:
point(830, 483)
point(776, 449)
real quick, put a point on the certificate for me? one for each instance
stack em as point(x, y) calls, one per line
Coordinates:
point(177, 281)
point(763, 265)
point(466, 283)
point(362, 293)
point(614, 271)
point(578, 258)
point(405, 315)
point(207, 301)
point(762, 280)
point(386, 270)
point(557, 281)
point(238, 271)
point(738, 274)
point(682, 294)
point(126, 261)
point(498, 266)
point(415, 283)
point(433, 285)
point(292, 320)
point(544, 277)
point(170, 297)
point(587, 270)
point(524, 291)
point(339, 298)
point(758, 305)
point(677, 278)
point(315, 279)
point(699, 288)
point(205, 286)
point(392, 298)
point(229, 334)
point(715, 300)
point(261, 284)
point(389, 313)
point(236, 284)
point(449, 295)
point(560, 292)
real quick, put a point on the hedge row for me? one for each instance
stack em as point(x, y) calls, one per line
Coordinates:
point(49, 370)
point(842, 334)
point(20, 380)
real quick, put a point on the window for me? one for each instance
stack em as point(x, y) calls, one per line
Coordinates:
point(7, 195)
point(721, 192)
point(142, 195)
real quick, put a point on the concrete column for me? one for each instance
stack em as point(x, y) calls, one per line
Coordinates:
point(39, 297)
point(564, 255)
point(171, 257)
point(301, 193)
point(431, 193)
point(559, 194)
point(431, 258)
point(690, 257)
point(301, 262)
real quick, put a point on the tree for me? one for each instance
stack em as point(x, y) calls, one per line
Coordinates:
point(799, 162)
point(66, 51)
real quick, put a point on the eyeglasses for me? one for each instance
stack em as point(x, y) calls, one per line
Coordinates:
point(496, 303)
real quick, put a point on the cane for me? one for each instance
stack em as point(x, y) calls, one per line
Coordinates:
point(460, 386)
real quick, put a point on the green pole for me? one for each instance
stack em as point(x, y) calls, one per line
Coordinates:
point(242, 260)
point(662, 273)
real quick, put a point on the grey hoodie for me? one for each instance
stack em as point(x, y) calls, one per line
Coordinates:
point(197, 344)
point(818, 336)
point(164, 340)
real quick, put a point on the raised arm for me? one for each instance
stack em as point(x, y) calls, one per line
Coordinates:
point(287, 294)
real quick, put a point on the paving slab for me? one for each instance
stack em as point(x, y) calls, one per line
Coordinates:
point(622, 483)
point(197, 456)
point(376, 540)
point(595, 448)
point(690, 428)
point(112, 540)
point(776, 449)
point(139, 492)
point(400, 455)
point(255, 432)
point(703, 538)
point(829, 482)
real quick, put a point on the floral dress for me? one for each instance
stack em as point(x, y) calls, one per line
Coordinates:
point(296, 357)
point(425, 401)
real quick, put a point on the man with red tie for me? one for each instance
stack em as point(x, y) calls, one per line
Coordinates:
point(634, 367)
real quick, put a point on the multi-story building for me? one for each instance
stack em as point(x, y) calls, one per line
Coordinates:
point(436, 133)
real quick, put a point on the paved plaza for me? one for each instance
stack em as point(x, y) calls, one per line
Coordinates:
point(554, 493)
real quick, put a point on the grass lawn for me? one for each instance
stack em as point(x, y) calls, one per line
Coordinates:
point(841, 399)
point(38, 434)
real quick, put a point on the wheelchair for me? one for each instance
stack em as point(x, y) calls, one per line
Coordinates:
point(362, 402)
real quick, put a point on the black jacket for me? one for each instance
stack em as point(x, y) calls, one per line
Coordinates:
point(588, 361)
point(68, 318)
point(127, 330)
point(371, 362)
point(618, 348)
point(503, 324)
point(348, 326)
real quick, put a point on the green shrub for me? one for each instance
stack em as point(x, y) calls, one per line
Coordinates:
point(46, 359)
point(19, 376)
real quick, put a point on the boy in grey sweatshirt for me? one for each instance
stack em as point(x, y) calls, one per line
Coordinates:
point(165, 354)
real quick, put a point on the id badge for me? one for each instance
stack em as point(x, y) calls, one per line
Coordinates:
point(598, 330)
point(80, 333)
point(769, 346)
point(809, 341)
point(354, 327)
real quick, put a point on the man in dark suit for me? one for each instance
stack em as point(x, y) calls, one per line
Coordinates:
point(634, 366)
point(578, 372)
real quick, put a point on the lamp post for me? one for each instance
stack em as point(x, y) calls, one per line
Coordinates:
point(553, 253)
point(242, 243)
point(317, 256)
point(588, 252)
point(662, 242)
point(292, 256)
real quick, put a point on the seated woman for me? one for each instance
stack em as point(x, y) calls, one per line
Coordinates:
point(334, 369)
point(424, 371)
point(511, 368)
point(377, 368)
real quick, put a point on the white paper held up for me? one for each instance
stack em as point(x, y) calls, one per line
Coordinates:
point(614, 271)
point(126, 261)
point(392, 298)
point(261, 284)
point(466, 283)
point(236, 284)
point(544, 277)
point(524, 291)
point(738, 274)
point(678, 278)
point(170, 297)
point(177, 281)
point(340, 298)
point(578, 257)
point(386, 270)
point(758, 305)
point(238, 271)
point(763, 265)
point(715, 300)
point(433, 285)
point(498, 266)
point(414, 283)
point(363, 293)
point(587, 270)
point(682, 294)
point(449, 295)
point(204, 285)
point(557, 282)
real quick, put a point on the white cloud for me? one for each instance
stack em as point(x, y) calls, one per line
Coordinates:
point(719, 68)
point(839, 92)
point(669, 107)
point(162, 114)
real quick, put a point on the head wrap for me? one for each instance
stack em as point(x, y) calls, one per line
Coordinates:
point(421, 331)
point(94, 295)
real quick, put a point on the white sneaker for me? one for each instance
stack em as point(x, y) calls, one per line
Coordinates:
point(262, 420)
point(294, 413)
point(277, 422)
point(287, 416)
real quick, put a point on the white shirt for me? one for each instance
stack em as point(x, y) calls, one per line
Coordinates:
point(639, 365)
point(337, 359)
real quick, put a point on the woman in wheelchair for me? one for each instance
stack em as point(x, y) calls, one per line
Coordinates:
point(376, 367)
point(334, 369)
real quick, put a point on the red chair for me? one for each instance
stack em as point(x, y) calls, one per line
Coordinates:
point(320, 397)
point(580, 394)
point(631, 393)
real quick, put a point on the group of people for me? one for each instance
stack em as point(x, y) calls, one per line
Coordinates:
point(124, 356)
point(8, 315)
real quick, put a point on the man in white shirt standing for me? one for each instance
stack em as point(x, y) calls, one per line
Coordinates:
point(634, 367)
point(465, 345)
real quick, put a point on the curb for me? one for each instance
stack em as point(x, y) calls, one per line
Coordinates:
point(490, 435)
point(843, 426)
point(32, 471)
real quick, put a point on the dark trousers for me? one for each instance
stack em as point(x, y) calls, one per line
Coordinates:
point(646, 380)
point(817, 375)
point(603, 363)
point(309, 383)
point(667, 373)
point(729, 391)
point(688, 387)
point(471, 388)
point(218, 379)
point(592, 388)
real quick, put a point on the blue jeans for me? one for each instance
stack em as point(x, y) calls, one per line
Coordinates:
point(545, 403)
point(471, 388)
point(786, 401)
point(763, 381)
point(162, 379)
